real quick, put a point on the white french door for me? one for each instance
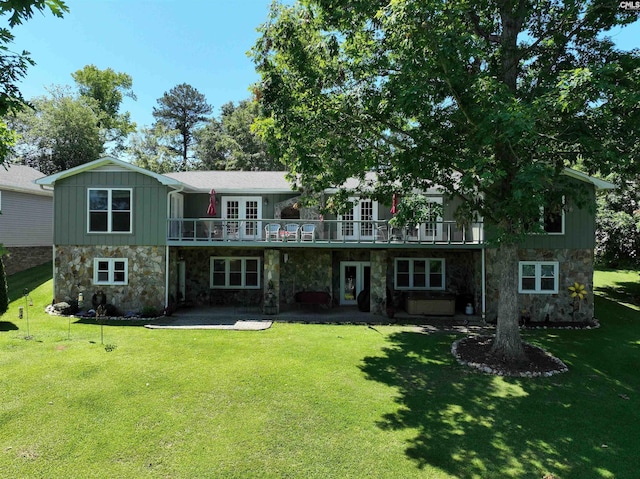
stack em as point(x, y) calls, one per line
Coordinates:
point(360, 222)
point(355, 276)
point(242, 215)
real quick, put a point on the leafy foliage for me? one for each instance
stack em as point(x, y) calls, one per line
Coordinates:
point(489, 100)
point(182, 109)
point(230, 143)
point(618, 226)
point(108, 88)
point(60, 132)
point(13, 66)
point(150, 148)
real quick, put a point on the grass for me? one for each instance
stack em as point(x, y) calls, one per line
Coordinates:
point(311, 401)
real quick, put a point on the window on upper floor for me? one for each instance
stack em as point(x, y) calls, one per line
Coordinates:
point(553, 220)
point(235, 272)
point(110, 271)
point(538, 277)
point(110, 210)
point(419, 273)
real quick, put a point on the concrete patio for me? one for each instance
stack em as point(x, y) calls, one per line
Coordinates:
point(230, 317)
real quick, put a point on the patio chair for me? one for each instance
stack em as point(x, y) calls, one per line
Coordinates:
point(307, 232)
point(291, 231)
point(233, 230)
point(272, 231)
point(382, 233)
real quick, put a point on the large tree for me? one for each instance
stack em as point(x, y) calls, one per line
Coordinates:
point(149, 148)
point(108, 88)
point(230, 143)
point(13, 65)
point(183, 108)
point(60, 131)
point(490, 100)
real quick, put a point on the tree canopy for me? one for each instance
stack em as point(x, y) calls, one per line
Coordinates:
point(60, 131)
point(108, 88)
point(230, 143)
point(489, 100)
point(13, 66)
point(182, 108)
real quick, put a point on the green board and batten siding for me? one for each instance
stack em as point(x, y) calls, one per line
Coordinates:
point(579, 227)
point(149, 209)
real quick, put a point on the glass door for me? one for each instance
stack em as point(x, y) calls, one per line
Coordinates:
point(354, 278)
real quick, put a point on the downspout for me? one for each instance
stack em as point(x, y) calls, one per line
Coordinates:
point(53, 244)
point(166, 254)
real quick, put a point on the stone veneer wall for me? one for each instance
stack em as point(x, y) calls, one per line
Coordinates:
point(463, 273)
point(378, 295)
point(21, 258)
point(73, 270)
point(305, 270)
point(198, 274)
point(575, 266)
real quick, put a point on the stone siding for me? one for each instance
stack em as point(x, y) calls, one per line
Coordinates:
point(20, 258)
point(198, 276)
point(73, 270)
point(463, 275)
point(575, 266)
point(304, 270)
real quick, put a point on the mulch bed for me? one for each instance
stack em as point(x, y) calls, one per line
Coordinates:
point(475, 352)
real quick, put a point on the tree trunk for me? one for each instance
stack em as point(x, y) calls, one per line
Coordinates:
point(507, 344)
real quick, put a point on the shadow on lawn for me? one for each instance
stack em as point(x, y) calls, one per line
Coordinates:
point(7, 326)
point(474, 425)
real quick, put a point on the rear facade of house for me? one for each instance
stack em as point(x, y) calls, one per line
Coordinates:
point(235, 238)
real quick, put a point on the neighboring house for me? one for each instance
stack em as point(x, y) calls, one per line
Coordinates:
point(26, 219)
point(236, 237)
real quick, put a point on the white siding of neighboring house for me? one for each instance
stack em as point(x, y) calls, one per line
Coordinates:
point(26, 219)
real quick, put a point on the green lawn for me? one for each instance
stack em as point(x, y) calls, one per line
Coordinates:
point(311, 401)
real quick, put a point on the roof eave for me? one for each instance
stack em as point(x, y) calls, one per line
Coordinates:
point(51, 179)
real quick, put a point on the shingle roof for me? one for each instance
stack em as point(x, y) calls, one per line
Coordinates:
point(21, 178)
point(234, 181)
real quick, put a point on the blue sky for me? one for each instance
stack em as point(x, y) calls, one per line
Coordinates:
point(161, 43)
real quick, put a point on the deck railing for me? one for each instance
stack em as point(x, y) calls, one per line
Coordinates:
point(215, 230)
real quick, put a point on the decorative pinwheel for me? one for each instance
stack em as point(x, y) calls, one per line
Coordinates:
point(578, 291)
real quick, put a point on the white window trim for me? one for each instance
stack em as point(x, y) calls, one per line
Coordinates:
point(538, 277)
point(427, 287)
point(111, 271)
point(109, 211)
point(227, 272)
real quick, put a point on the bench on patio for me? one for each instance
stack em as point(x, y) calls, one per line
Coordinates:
point(313, 297)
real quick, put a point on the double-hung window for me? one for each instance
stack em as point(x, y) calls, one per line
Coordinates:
point(110, 210)
point(538, 277)
point(235, 272)
point(419, 273)
point(110, 271)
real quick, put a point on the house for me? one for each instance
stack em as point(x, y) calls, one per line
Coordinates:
point(26, 219)
point(235, 237)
